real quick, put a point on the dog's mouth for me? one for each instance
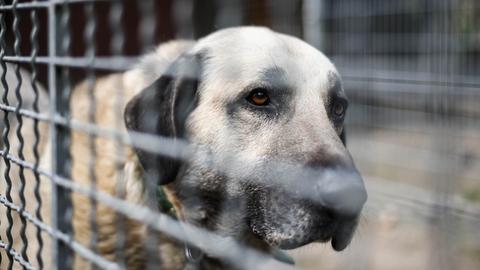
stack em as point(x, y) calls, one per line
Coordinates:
point(343, 234)
point(339, 234)
point(290, 229)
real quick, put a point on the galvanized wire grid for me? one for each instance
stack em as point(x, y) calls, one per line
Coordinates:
point(408, 68)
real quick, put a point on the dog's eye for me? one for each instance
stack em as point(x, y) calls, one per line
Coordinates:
point(258, 97)
point(339, 108)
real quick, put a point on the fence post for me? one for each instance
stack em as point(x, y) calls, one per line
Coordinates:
point(62, 255)
point(313, 23)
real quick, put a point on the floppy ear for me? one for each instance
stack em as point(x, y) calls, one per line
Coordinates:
point(343, 136)
point(162, 109)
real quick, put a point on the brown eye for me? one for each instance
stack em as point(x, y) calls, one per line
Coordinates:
point(258, 97)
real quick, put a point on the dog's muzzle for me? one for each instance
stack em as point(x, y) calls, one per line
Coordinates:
point(321, 205)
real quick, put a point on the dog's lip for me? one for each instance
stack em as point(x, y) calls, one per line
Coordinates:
point(343, 234)
point(286, 245)
point(340, 236)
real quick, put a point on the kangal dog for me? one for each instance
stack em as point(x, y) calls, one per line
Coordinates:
point(262, 114)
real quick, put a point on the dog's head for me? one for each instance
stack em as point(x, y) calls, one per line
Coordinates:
point(263, 113)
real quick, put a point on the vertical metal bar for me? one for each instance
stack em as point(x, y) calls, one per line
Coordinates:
point(148, 24)
point(183, 13)
point(147, 32)
point(230, 13)
point(18, 95)
point(204, 17)
point(441, 248)
point(313, 25)
point(62, 255)
point(285, 16)
point(117, 45)
point(89, 37)
point(36, 131)
point(6, 143)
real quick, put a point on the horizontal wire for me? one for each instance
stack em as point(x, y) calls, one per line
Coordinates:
point(197, 236)
point(117, 63)
point(472, 214)
point(160, 145)
point(67, 239)
point(141, 140)
point(343, 14)
point(46, 4)
point(151, 143)
point(147, 142)
point(410, 81)
point(416, 202)
point(413, 109)
point(26, 113)
point(122, 63)
point(29, 5)
point(16, 256)
point(348, 10)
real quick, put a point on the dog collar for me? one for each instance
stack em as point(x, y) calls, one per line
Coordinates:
point(164, 204)
point(192, 254)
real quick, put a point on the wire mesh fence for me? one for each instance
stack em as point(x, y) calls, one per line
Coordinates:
point(409, 69)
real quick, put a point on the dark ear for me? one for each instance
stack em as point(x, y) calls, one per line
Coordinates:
point(162, 109)
point(343, 136)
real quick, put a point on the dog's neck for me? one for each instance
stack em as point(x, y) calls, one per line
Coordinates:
point(169, 204)
point(172, 251)
point(193, 258)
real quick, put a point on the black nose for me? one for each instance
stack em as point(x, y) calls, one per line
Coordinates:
point(342, 192)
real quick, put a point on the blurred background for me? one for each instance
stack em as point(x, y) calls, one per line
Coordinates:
point(412, 73)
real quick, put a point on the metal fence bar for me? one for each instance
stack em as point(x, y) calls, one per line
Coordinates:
point(117, 46)
point(76, 187)
point(472, 213)
point(146, 215)
point(148, 142)
point(6, 142)
point(224, 247)
point(30, 5)
point(18, 132)
point(89, 38)
point(17, 256)
point(441, 250)
point(183, 16)
point(147, 39)
point(124, 63)
point(36, 154)
point(147, 24)
point(47, 4)
point(344, 13)
point(60, 236)
point(101, 63)
point(313, 22)
point(61, 202)
point(399, 80)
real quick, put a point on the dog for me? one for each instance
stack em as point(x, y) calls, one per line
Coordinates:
point(263, 116)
